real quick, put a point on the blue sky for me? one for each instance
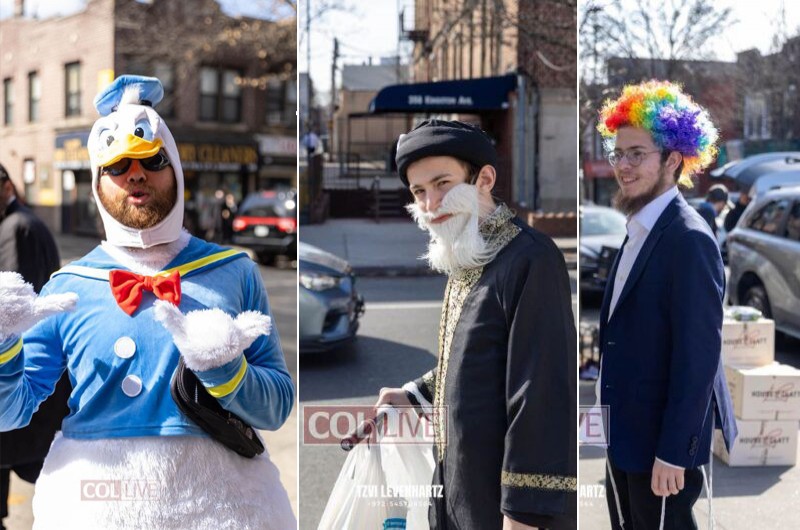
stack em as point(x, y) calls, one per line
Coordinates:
point(368, 29)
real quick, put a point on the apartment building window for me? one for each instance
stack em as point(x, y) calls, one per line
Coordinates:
point(72, 76)
point(165, 73)
point(290, 110)
point(756, 117)
point(220, 95)
point(281, 102)
point(29, 175)
point(8, 101)
point(274, 102)
point(34, 95)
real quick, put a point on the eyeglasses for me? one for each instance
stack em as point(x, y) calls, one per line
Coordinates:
point(154, 163)
point(634, 156)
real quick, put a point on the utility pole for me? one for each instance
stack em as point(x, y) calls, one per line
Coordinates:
point(400, 33)
point(332, 120)
point(308, 65)
point(333, 75)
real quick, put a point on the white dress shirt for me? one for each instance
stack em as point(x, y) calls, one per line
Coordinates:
point(639, 226)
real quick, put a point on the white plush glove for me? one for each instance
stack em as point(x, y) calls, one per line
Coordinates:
point(210, 338)
point(21, 308)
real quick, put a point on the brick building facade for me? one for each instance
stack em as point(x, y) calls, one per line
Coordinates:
point(465, 39)
point(230, 99)
point(535, 40)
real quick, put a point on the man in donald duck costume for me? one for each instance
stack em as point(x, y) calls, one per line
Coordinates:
point(118, 320)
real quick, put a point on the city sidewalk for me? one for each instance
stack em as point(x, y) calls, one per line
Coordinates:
point(388, 248)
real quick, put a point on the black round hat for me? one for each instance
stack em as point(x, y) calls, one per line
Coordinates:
point(444, 138)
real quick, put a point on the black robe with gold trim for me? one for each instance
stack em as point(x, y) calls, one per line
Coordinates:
point(506, 383)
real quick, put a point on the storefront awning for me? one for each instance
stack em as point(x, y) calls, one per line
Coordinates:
point(465, 96)
point(71, 151)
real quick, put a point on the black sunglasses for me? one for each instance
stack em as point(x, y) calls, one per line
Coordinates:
point(154, 163)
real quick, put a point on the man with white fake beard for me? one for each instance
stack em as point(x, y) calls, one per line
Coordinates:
point(504, 391)
point(131, 454)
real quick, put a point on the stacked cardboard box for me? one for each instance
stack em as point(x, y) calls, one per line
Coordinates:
point(766, 396)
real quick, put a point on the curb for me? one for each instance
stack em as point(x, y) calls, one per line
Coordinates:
point(390, 271)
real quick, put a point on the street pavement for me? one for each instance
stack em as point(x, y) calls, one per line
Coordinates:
point(391, 247)
point(744, 498)
point(396, 343)
point(281, 285)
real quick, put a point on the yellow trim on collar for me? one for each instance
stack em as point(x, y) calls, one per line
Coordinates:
point(224, 389)
point(10, 354)
point(200, 263)
point(102, 274)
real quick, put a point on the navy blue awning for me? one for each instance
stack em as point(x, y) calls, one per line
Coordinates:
point(464, 95)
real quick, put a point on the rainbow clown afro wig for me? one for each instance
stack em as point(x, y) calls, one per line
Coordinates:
point(672, 118)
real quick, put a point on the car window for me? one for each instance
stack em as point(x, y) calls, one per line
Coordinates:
point(603, 222)
point(793, 224)
point(264, 210)
point(769, 218)
point(280, 205)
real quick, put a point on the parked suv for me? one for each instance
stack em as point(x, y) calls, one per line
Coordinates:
point(267, 223)
point(764, 257)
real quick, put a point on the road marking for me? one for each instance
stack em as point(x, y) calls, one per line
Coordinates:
point(402, 305)
point(392, 306)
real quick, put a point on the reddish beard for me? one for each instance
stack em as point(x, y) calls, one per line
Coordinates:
point(144, 216)
point(630, 205)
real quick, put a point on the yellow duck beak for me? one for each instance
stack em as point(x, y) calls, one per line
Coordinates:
point(130, 146)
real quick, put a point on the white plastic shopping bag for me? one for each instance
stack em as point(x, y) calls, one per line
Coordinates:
point(385, 485)
point(408, 465)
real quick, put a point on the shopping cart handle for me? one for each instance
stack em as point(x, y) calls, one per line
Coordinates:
point(363, 432)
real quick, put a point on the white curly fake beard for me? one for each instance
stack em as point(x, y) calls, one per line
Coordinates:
point(456, 243)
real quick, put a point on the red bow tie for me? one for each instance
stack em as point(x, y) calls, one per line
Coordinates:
point(127, 288)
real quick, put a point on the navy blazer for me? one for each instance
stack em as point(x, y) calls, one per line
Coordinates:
point(662, 375)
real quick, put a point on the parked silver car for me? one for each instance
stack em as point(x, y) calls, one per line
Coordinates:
point(329, 304)
point(764, 257)
point(602, 233)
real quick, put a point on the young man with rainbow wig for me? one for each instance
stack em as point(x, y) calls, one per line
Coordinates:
point(660, 322)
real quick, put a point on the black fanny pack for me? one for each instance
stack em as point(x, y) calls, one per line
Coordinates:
point(202, 408)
